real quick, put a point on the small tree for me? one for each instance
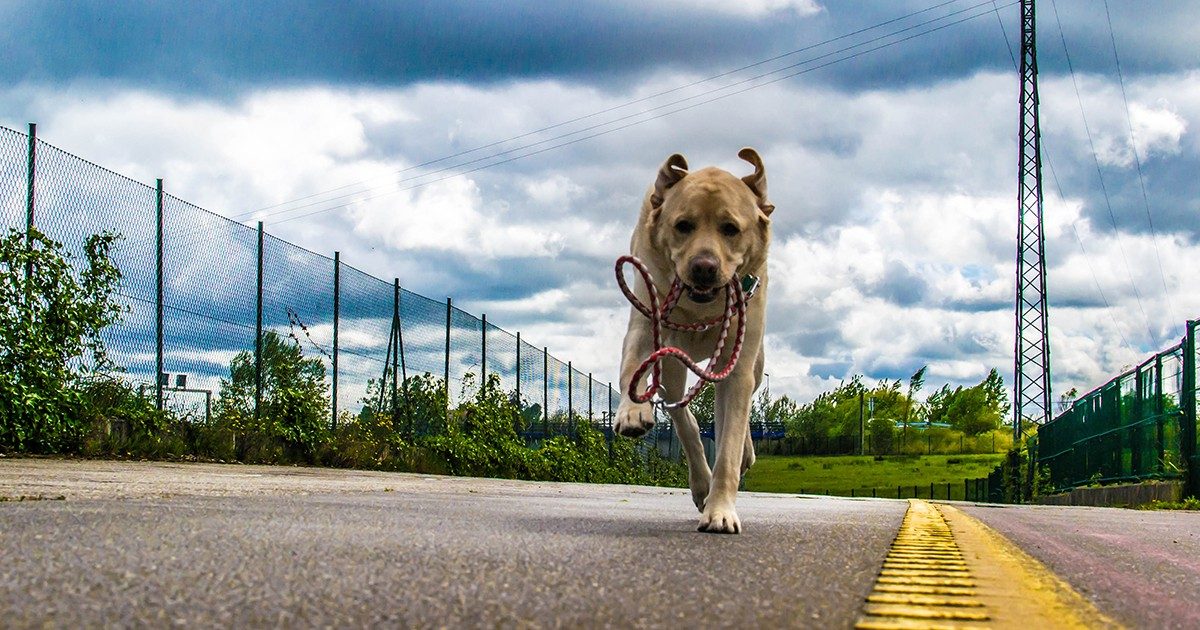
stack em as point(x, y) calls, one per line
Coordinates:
point(295, 399)
point(51, 316)
point(915, 383)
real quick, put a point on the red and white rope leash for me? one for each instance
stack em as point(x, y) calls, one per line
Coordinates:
point(735, 304)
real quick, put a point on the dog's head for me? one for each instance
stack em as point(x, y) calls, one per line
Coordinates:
point(712, 225)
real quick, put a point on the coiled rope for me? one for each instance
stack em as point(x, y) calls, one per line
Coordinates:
point(659, 315)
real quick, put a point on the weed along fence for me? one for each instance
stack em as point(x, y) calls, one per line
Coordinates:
point(1140, 425)
point(202, 289)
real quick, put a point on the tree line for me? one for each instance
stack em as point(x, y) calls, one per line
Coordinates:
point(887, 417)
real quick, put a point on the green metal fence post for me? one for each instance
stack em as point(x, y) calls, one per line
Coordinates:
point(590, 386)
point(861, 432)
point(30, 171)
point(570, 398)
point(158, 288)
point(396, 352)
point(446, 371)
point(483, 357)
point(1159, 412)
point(258, 332)
point(545, 392)
point(608, 435)
point(1188, 400)
point(519, 403)
point(400, 353)
point(337, 312)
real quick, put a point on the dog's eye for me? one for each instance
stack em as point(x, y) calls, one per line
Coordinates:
point(685, 227)
point(729, 229)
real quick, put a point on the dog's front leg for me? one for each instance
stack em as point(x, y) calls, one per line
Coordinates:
point(733, 425)
point(674, 379)
point(634, 419)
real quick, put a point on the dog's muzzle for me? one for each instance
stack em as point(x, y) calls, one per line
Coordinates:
point(703, 296)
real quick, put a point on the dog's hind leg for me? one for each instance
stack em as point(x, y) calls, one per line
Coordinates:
point(699, 476)
point(748, 457)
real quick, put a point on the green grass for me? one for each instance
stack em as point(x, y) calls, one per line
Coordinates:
point(840, 475)
point(1188, 503)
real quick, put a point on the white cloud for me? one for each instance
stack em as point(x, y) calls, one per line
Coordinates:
point(883, 195)
point(449, 216)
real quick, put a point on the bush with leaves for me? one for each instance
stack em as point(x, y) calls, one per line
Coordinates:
point(294, 415)
point(119, 420)
point(480, 439)
point(51, 316)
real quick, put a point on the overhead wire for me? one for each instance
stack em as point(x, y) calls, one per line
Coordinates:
point(1138, 161)
point(657, 116)
point(1100, 174)
point(1074, 229)
point(643, 112)
point(613, 108)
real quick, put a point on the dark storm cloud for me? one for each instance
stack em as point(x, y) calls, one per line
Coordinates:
point(217, 47)
point(900, 285)
point(833, 369)
point(210, 46)
point(814, 341)
point(1172, 193)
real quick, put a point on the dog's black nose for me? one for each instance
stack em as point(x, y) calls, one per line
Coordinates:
point(703, 271)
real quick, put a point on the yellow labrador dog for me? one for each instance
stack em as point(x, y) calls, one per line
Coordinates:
point(704, 228)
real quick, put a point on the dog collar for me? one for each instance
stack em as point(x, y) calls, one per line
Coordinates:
point(749, 286)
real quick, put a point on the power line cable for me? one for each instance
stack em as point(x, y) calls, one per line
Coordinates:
point(644, 120)
point(1074, 229)
point(630, 116)
point(617, 107)
point(1138, 160)
point(1100, 173)
point(1004, 32)
point(1095, 277)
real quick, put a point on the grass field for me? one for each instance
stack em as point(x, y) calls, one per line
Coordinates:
point(847, 474)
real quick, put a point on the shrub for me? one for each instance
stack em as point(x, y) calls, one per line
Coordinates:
point(51, 316)
point(293, 419)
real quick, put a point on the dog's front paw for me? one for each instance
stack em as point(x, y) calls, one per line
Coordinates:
point(634, 419)
point(718, 520)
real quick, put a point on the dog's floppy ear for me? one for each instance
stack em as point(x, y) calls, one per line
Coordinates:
point(758, 180)
point(673, 170)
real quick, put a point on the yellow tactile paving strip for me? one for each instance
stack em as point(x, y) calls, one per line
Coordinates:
point(947, 570)
point(925, 583)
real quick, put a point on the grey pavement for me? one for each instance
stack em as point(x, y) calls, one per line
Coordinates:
point(258, 546)
point(1140, 567)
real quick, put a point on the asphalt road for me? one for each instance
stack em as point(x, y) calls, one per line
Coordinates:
point(153, 544)
point(1142, 568)
point(308, 547)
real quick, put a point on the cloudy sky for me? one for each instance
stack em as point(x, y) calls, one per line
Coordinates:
point(497, 152)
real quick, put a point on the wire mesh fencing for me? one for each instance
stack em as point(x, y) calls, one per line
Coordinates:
point(220, 286)
point(1139, 425)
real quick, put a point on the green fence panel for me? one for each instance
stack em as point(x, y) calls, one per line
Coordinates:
point(1131, 428)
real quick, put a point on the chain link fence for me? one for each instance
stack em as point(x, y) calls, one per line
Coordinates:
point(224, 284)
point(1140, 425)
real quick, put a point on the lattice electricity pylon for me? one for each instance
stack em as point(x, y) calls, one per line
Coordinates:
point(1031, 374)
